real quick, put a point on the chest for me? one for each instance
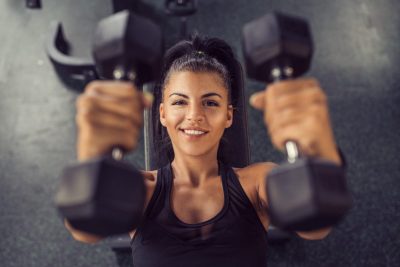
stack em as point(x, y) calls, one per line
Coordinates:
point(197, 204)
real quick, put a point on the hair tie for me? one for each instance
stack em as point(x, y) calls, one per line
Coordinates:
point(200, 53)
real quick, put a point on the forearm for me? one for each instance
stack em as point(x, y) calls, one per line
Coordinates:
point(315, 234)
point(82, 236)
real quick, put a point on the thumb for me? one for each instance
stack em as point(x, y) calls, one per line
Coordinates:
point(148, 99)
point(257, 100)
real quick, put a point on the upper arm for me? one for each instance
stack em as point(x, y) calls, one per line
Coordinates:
point(262, 170)
point(252, 180)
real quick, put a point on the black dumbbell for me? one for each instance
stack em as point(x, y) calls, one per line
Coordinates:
point(304, 193)
point(182, 9)
point(105, 196)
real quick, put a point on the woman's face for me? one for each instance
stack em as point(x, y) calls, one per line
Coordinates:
point(195, 111)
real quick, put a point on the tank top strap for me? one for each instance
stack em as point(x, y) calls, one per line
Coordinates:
point(239, 199)
point(156, 202)
point(223, 172)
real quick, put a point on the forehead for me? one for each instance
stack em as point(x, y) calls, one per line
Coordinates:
point(195, 83)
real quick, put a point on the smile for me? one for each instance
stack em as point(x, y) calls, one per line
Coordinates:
point(193, 134)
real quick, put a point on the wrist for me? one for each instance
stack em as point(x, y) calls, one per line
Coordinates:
point(335, 155)
point(331, 153)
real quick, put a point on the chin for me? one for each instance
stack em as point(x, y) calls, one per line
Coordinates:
point(193, 147)
point(195, 150)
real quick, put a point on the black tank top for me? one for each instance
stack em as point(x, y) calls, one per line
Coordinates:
point(234, 237)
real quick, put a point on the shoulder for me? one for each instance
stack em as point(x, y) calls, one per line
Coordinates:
point(252, 179)
point(150, 180)
point(255, 171)
point(150, 177)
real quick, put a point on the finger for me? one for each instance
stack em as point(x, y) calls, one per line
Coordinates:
point(90, 104)
point(291, 86)
point(298, 132)
point(286, 118)
point(292, 116)
point(112, 89)
point(108, 119)
point(302, 99)
point(257, 100)
point(110, 138)
point(127, 140)
point(148, 99)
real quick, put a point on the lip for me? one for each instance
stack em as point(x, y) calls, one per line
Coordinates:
point(192, 137)
point(194, 128)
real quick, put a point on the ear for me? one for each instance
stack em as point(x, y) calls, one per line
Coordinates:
point(162, 115)
point(229, 118)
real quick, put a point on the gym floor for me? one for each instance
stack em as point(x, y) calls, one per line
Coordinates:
point(356, 61)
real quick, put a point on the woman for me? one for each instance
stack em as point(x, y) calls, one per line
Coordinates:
point(199, 210)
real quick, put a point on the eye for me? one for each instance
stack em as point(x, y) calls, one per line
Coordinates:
point(178, 102)
point(211, 103)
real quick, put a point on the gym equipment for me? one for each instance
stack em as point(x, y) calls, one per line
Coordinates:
point(278, 236)
point(120, 5)
point(105, 196)
point(128, 47)
point(304, 193)
point(34, 4)
point(181, 9)
point(74, 72)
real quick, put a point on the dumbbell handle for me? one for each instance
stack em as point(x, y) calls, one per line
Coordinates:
point(278, 74)
point(121, 74)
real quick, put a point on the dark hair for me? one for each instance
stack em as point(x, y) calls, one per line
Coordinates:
point(199, 54)
point(198, 61)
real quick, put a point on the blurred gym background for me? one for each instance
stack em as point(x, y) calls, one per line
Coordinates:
point(356, 60)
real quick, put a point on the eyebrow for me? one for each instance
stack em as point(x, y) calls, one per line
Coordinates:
point(203, 96)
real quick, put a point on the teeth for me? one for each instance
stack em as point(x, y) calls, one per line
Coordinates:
point(193, 132)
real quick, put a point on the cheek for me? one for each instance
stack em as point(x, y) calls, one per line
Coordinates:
point(173, 117)
point(217, 120)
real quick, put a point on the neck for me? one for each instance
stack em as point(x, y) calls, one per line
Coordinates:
point(195, 169)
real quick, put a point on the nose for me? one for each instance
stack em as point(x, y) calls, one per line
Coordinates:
point(195, 113)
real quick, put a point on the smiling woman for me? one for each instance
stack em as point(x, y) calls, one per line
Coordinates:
point(199, 209)
point(205, 57)
point(195, 108)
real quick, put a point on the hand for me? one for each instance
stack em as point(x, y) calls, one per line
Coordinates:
point(297, 110)
point(109, 114)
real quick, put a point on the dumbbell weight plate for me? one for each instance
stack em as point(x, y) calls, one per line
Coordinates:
point(102, 196)
point(276, 39)
point(130, 42)
point(308, 194)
